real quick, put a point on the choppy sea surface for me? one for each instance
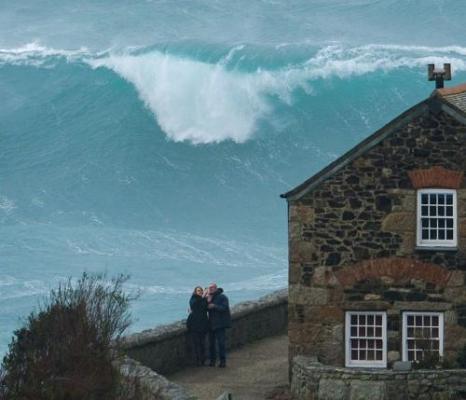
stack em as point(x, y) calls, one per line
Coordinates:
point(154, 137)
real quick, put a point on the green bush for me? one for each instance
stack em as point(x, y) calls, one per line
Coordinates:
point(64, 351)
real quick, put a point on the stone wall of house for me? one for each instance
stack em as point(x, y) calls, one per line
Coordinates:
point(167, 349)
point(352, 244)
point(314, 381)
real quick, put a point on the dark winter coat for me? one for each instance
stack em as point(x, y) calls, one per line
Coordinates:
point(197, 319)
point(219, 316)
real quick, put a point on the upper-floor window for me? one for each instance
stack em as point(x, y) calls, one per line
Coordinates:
point(436, 218)
point(366, 340)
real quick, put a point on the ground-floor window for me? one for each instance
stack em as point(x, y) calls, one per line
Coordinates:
point(422, 335)
point(366, 341)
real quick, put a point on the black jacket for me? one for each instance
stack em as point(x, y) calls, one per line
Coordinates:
point(219, 316)
point(197, 319)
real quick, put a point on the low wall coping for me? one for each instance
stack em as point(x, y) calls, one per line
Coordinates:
point(310, 364)
point(163, 332)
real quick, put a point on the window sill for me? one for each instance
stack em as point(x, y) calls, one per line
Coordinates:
point(436, 248)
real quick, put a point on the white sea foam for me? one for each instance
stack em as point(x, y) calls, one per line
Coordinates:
point(192, 100)
point(7, 205)
point(36, 54)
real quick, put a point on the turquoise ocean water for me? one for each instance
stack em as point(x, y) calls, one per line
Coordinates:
point(154, 137)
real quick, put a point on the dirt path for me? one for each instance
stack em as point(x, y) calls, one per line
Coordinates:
point(252, 372)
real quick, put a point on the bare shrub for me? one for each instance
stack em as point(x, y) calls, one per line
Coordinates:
point(64, 351)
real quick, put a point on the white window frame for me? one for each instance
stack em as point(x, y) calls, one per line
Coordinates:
point(365, 363)
point(441, 321)
point(438, 242)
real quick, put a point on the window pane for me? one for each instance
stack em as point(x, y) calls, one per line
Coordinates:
point(433, 199)
point(441, 235)
point(423, 337)
point(424, 199)
point(449, 234)
point(378, 355)
point(449, 211)
point(433, 211)
point(362, 343)
point(433, 234)
point(449, 198)
point(441, 199)
point(424, 211)
point(441, 211)
point(449, 222)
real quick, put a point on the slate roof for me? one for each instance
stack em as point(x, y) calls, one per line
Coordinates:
point(450, 100)
point(455, 95)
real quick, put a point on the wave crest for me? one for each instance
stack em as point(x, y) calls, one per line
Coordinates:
point(212, 101)
point(193, 100)
point(203, 102)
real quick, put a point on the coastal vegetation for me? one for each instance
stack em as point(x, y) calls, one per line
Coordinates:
point(67, 349)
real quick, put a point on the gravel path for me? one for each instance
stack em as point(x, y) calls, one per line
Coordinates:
point(253, 372)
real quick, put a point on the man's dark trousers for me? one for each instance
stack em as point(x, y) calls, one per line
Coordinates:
point(217, 338)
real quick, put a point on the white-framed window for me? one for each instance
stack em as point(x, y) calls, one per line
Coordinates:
point(436, 218)
point(422, 332)
point(366, 339)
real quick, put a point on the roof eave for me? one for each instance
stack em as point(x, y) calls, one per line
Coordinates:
point(361, 148)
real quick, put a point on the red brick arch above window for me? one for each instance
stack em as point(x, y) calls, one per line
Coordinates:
point(400, 270)
point(436, 177)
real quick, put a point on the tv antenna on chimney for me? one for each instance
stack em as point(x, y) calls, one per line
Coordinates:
point(439, 75)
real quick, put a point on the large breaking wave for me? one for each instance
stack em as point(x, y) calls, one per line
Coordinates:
point(209, 98)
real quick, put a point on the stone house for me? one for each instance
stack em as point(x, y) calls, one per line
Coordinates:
point(377, 245)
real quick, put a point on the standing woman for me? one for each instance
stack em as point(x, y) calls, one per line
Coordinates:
point(198, 324)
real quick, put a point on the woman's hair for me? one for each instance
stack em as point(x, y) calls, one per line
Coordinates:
point(197, 287)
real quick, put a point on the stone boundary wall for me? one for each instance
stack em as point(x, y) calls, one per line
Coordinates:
point(315, 381)
point(166, 349)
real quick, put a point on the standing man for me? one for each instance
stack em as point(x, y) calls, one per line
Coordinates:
point(219, 320)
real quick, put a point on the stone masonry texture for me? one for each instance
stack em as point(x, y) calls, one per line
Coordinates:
point(352, 242)
point(314, 381)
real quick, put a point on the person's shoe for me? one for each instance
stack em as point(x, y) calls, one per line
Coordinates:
point(222, 364)
point(212, 364)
